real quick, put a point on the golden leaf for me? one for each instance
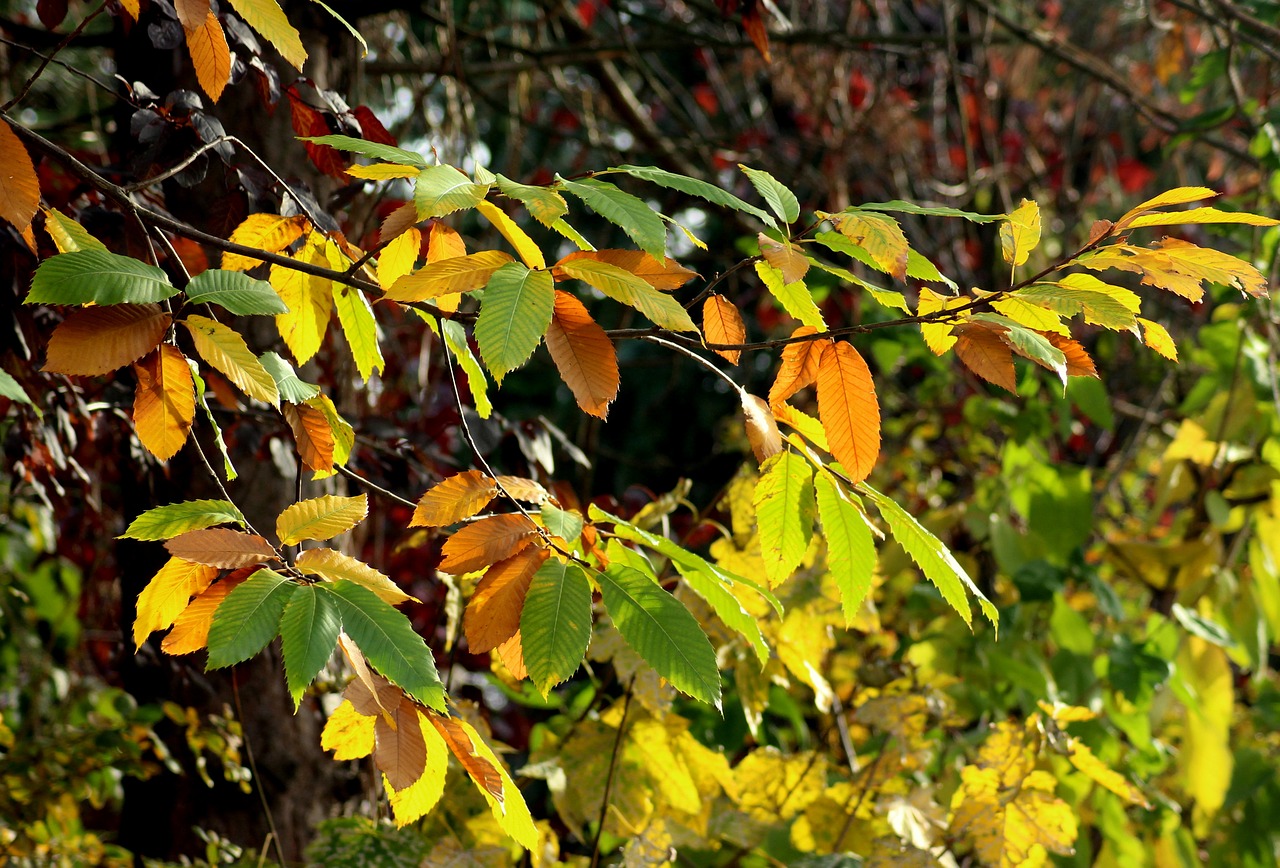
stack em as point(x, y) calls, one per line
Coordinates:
point(516, 237)
point(1087, 762)
point(166, 596)
point(785, 257)
point(398, 258)
point(313, 435)
point(309, 299)
point(1079, 363)
point(445, 243)
point(493, 615)
point(799, 368)
point(879, 235)
point(348, 733)
point(269, 232)
point(1176, 196)
point(334, 566)
point(583, 354)
point(207, 45)
point(982, 352)
point(486, 542)
point(722, 324)
point(1157, 338)
point(384, 172)
point(99, 339)
point(321, 518)
point(460, 496)
point(190, 631)
point(1020, 233)
point(665, 275)
point(221, 547)
point(522, 489)
point(447, 276)
point(937, 336)
point(165, 402)
point(19, 186)
point(774, 787)
point(225, 349)
point(1205, 761)
point(511, 653)
point(849, 410)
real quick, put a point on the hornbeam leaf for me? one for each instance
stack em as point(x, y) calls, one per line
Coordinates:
point(290, 387)
point(98, 277)
point(1020, 234)
point(799, 368)
point(694, 187)
point(164, 405)
point(448, 276)
point(349, 734)
point(514, 315)
point(486, 542)
point(516, 237)
point(166, 595)
point(509, 809)
point(248, 618)
point(662, 631)
point(398, 257)
point(360, 329)
point(401, 751)
point(266, 17)
point(784, 512)
point(309, 631)
point(335, 566)
point(851, 551)
point(419, 798)
point(20, 192)
point(879, 235)
point(221, 547)
point(621, 285)
point(190, 631)
point(795, 298)
point(722, 324)
point(460, 496)
point(849, 410)
point(623, 210)
point(493, 614)
point(308, 298)
point(555, 625)
point(207, 45)
point(321, 518)
point(237, 293)
point(1176, 196)
point(267, 232)
point(788, 259)
point(933, 558)
point(224, 348)
point(583, 354)
point(100, 339)
point(546, 206)
point(166, 522)
point(441, 190)
point(781, 200)
point(390, 643)
point(377, 151)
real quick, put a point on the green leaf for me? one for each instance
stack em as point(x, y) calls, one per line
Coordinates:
point(572, 234)
point(292, 389)
point(555, 625)
point(99, 277)
point(390, 643)
point(621, 285)
point(851, 550)
point(309, 631)
point(1112, 307)
point(661, 630)
point(784, 511)
point(228, 469)
point(12, 389)
point(933, 558)
point(546, 206)
point(389, 153)
point(562, 523)
point(360, 329)
point(441, 190)
point(514, 315)
point(235, 291)
point(694, 187)
point(1198, 625)
point(345, 23)
point(922, 269)
point(248, 618)
point(929, 211)
point(795, 298)
point(622, 209)
point(166, 522)
point(455, 338)
point(780, 199)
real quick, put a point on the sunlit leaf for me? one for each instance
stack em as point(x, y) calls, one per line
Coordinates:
point(799, 368)
point(210, 56)
point(878, 234)
point(623, 210)
point(335, 567)
point(722, 324)
point(312, 434)
point(848, 409)
point(348, 733)
point(664, 274)
point(266, 17)
point(237, 293)
point(795, 298)
point(984, 353)
point(100, 339)
point(621, 285)
point(268, 232)
point(784, 510)
point(514, 315)
point(321, 518)
point(694, 187)
point(780, 199)
point(221, 547)
point(851, 551)
point(248, 618)
point(164, 405)
point(366, 148)
point(166, 595)
point(190, 631)
point(309, 631)
point(225, 350)
point(441, 190)
point(360, 329)
point(555, 625)
point(20, 192)
point(1020, 234)
point(486, 541)
point(98, 277)
point(583, 354)
point(448, 276)
point(516, 237)
point(456, 498)
point(165, 522)
point(544, 205)
point(493, 614)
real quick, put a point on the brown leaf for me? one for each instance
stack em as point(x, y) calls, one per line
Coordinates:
point(665, 275)
point(785, 257)
point(762, 428)
point(1099, 230)
point(460, 496)
point(493, 615)
point(207, 45)
point(221, 547)
point(799, 368)
point(400, 752)
point(309, 122)
point(480, 769)
point(486, 542)
point(99, 339)
point(191, 13)
point(584, 355)
point(1079, 364)
point(397, 222)
point(165, 403)
point(722, 324)
point(849, 410)
point(522, 489)
point(19, 187)
point(312, 432)
point(986, 355)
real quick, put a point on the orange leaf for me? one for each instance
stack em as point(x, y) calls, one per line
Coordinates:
point(667, 274)
point(19, 187)
point(166, 596)
point(100, 339)
point(269, 232)
point(315, 437)
point(1079, 364)
point(762, 427)
point(190, 632)
point(799, 366)
point(493, 615)
point(584, 355)
point(511, 653)
point(486, 542)
point(207, 45)
point(444, 243)
point(221, 547)
point(753, 23)
point(165, 403)
point(722, 324)
point(848, 409)
point(459, 740)
point(397, 222)
point(460, 496)
point(986, 355)
point(400, 752)
point(785, 257)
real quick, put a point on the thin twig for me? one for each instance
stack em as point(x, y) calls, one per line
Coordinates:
point(253, 767)
point(48, 58)
point(608, 780)
point(351, 474)
point(45, 60)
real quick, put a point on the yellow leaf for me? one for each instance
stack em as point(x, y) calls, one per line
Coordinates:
point(849, 410)
point(132, 7)
point(583, 355)
point(1205, 264)
point(19, 186)
point(269, 232)
point(334, 566)
point(1199, 216)
point(937, 336)
point(99, 339)
point(398, 258)
point(799, 368)
point(785, 257)
point(516, 237)
point(1176, 196)
point(1033, 316)
point(383, 172)
point(165, 402)
point(982, 352)
point(879, 235)
point(348, 733)
point(773, 787)
point(445, 243)
point(448, 276)
point(190, 631)
point(460, 496)
point(486, 542)
point(722, 324)
point(493, 614)
point(220, 547)
point(1206, 760)
point(417, 800)
point(207, 45)
point(1020, 233)
point(360, 328)
point(68, 235)
point(1157, 338)
point(166, 595)
point(266, 17)
point(1191, 443)
point(1084, 759)
point(665, 275)
point(762, 428)
point(808, 426)
point(309, 299)
point(321, 518)
point(225, 349)
point(312, 434)
point(510, 811)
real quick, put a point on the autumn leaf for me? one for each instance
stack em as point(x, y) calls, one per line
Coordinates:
point(207, 45)
point(511, 654)
point(937, 336)
point(665, 274)
point(266, 17)
point(459, 739)
point(1157, 338)
point(348, 733)
point(984, 353)
point(164, 405)
point(224, 349)
point(583, 354)
point(448, 276)
point(878, 234)
point(1079, 363)
point(456, 498)
point(309, 299)
point(799, 367)
point(784, 503)
point(493, 615)
point(1020, 234)
point(514, 315)
point(313, 435)
point(335, 567)
point(849, 410)
point(20, 189)
point(762, 427)
point(321, 518)
point(722, 324)
point(268, 232)
point(525, 490)
point(399, 751)
point(190, 631)
point(397, 258)
point(100, 339)
point(623, 286)
point(220, 547)
point(166, 596)
point(486, 542)
point(419, 798)
point(785, 257)
point(530, 255)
